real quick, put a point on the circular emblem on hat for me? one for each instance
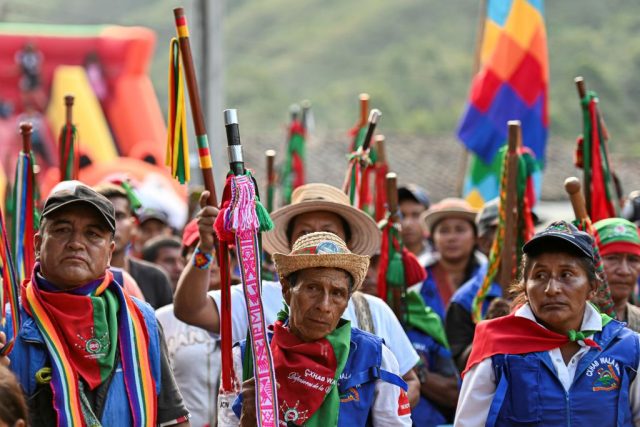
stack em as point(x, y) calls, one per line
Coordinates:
point(619, 229)
point(93, 346)
point(327, 247)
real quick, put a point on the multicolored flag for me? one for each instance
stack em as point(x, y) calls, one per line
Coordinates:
point(511, 83)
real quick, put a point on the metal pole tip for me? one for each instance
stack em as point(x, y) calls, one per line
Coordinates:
point(230, 117)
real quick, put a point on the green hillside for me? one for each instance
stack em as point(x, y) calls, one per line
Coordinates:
point(413, 57)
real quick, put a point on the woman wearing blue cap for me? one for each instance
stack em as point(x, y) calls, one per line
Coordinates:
point(556, 360)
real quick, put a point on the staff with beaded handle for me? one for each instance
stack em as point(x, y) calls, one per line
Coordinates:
point(244, 216)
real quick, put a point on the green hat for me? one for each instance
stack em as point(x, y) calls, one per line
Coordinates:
point(617, 235)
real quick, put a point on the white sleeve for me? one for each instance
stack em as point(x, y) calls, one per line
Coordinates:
point(239, 323)
point(390, 404)
point(272, 303)
point(226, 416)
point(476, 395)
point(388, 328)
point(634, 397)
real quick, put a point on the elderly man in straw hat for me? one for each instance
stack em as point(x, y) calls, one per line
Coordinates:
point(314, 207)
point(328, 373)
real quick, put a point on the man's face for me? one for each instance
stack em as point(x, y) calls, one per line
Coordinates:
point(125, 223)
point(311, 222)
point(171, 260)
point(149, 229)
point(316, 301)
point(622, 271)
point(370, 284)
point(412, 232)
point(74, 246)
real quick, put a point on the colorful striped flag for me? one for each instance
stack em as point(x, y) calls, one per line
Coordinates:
point(511, 84)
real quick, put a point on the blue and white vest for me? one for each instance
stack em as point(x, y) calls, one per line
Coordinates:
point(30, 355)
point(467, 292)
point(357, 381)
point(528, 391)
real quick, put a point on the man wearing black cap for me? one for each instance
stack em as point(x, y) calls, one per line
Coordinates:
point(412, 201)
point(152, 280)
point(86, 352)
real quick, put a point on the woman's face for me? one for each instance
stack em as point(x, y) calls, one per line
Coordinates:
point(557, 288)
point(454, 239)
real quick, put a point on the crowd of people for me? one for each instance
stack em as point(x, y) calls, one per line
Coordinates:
point(120, 320)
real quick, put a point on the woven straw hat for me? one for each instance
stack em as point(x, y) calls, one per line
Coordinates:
point(322, 249)
point(365, 236)
point(450, 207)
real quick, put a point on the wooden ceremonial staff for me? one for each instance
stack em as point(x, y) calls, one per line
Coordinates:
point(572, 187)
point(364, 109)
point(196, 106)
point(374, 116)
point(270, 155)
point(507, 257)
point(582, 92)
point(381, 167)
point(392, 200)
point(205, 164)
point(68, 106)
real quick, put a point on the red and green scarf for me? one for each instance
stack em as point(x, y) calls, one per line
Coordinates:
point(82, 328)
point(307, 373)
point(518, 335)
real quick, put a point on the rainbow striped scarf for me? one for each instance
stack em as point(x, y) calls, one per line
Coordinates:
point(132, 339)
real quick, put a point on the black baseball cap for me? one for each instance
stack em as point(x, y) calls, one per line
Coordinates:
point(414, 192)
point(80, 193)
point(151, 213)
point(561, 235)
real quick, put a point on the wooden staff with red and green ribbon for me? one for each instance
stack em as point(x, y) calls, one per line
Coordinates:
point(359, 162)
point(25, 220)
point(603, 298)
point(515, 221)
point(68, 144)
point(270, 155)
point(293, 170)
point(241, 219)
point(592, 155)
point(398, 268)
point(381, 170)
point(9, 289)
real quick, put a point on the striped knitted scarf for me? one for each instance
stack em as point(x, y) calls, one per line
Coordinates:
point(81, 328)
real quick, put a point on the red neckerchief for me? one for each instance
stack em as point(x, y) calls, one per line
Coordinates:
point(513, 335)
point(71, 313)
point(305, 372)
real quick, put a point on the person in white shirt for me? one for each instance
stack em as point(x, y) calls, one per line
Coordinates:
point(314, 207)
point(556, 360)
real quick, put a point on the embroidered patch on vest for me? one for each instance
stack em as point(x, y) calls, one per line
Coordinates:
point(606, 373)
point(351, 395)
point(404, 408)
